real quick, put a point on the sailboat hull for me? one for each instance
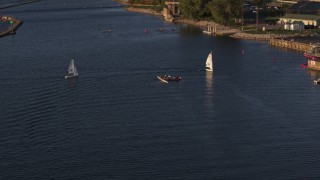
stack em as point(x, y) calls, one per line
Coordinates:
point(69, 77)
point(162, 79)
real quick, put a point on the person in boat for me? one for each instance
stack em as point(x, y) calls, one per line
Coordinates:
point(164, 77)
point(174, 78)
point(170, 78)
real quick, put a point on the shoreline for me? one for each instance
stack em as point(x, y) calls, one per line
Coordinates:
point(141, 10)
point(226, 30)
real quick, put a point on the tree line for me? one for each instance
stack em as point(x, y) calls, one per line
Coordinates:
point(220, 10)
point(147, 2)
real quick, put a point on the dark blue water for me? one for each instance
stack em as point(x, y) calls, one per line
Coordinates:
point(251, 119)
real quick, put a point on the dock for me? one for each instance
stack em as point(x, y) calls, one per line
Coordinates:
point(215, 29)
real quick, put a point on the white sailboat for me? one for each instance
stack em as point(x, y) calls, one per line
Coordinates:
point(72, 70)
point(209, 66)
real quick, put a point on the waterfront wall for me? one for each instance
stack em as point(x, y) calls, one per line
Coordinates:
point(290, 44)
point(249, 36)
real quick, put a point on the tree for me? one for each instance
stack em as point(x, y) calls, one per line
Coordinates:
point(193, 9)
point(223, 10)
point(217, 9)
point(259, 4)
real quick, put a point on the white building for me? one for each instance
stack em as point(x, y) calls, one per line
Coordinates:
point(306, 19)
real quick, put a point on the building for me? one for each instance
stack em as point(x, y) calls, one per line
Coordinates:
point(294, 26)
point(307, 12)
point(309, 21)
point(297, 26)
point(171, 11)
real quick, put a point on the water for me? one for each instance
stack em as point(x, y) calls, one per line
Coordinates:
point(251, 119)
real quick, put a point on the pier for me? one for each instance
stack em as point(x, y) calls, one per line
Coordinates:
point(217, 29)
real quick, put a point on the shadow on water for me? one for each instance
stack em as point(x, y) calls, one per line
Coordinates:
point(189, 30)
point(209, 89)
point(72, 82)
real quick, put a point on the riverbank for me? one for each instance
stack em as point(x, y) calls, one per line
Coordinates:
point(139, 9)
point(201, 24)
point(221, 29)
point(233, 32)
point(304, 41)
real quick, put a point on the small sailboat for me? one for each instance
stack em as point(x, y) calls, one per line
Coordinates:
point(209, 66)
point(72, 70)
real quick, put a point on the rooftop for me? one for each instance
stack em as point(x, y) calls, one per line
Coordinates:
point(305, 7)
point(302, 16)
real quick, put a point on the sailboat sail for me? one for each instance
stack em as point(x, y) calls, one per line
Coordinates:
point(209, 66)
point(72, 70)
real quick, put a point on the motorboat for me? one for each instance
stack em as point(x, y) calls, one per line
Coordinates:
point(167, 78)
